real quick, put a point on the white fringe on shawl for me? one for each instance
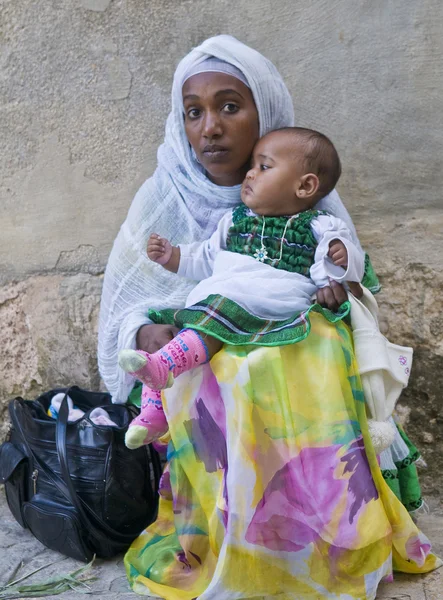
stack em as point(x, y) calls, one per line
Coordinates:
point(180, 203)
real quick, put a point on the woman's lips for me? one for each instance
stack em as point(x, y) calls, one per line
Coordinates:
point(215, 153)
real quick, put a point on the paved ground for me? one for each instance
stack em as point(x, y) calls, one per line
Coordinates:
point(17, 545)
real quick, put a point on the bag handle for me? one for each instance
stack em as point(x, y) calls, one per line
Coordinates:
point(80, 505)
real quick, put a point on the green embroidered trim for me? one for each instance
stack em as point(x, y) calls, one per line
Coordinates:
point(135, 397)
point(414, 505)
point(408, 461)
point(225, 320)
point(239, 212)
point(389, 474)
point(298, 250)
point(403, 480)
point(370, 279)
point(405, 486)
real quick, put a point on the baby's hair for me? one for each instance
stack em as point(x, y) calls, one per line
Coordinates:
point(321, 157)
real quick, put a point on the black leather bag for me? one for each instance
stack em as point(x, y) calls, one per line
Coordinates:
point(76, 486)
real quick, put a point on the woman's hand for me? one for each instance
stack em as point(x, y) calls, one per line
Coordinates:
point(334, 295)
point(355, 289)
point(151, 338)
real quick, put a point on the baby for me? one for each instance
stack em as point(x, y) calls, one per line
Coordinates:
point(257, 272)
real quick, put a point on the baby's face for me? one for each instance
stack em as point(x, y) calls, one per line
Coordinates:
point(271, 184)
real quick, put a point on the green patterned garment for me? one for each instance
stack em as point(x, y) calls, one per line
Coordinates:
point(297, 247)
point(299, 244)
point(228, 322)
point(370, 279)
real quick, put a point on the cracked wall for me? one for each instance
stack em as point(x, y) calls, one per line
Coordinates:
point(84, 93)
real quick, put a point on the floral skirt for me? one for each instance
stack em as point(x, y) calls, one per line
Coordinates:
point(272, 487)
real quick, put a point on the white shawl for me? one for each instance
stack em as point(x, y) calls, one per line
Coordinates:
point(180, 203)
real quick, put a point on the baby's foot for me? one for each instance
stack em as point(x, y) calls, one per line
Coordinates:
point(142, 435)
point(150, 424)
point(150, 369)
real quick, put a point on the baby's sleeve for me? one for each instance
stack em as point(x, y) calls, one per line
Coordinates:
point(325, 229)
point(197, 259)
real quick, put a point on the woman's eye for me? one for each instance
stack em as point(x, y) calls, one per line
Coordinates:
point(230, 107)
point(193, 113)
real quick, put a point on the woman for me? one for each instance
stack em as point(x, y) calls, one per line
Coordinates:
point(272, 487)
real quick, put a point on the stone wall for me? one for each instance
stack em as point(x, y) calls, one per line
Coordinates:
point(84, 93)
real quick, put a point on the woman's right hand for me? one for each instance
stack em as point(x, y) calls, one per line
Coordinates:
point(151, 338)
point(334, 295)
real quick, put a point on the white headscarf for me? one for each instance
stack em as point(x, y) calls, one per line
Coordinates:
point(180, 203)
point(214, 65)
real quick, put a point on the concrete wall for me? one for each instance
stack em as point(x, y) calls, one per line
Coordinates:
point(84, 95)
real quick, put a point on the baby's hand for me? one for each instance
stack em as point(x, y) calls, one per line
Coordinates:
point(338, 253)
point(159, 249)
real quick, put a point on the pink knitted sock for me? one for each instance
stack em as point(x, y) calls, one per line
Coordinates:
point(150, 424)
point(186, 351)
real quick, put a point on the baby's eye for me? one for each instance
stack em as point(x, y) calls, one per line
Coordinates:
point(264, 167)
point(193, 113)
point(230, 108)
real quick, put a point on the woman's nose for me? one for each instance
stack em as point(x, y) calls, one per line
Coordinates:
point(212, 125)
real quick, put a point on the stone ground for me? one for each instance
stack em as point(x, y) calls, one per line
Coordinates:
point(18, 546)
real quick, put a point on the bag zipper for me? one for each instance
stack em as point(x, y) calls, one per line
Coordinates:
point(34, 478)
point(82, 482)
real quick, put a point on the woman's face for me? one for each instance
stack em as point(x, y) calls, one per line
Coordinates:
point(221, 124)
